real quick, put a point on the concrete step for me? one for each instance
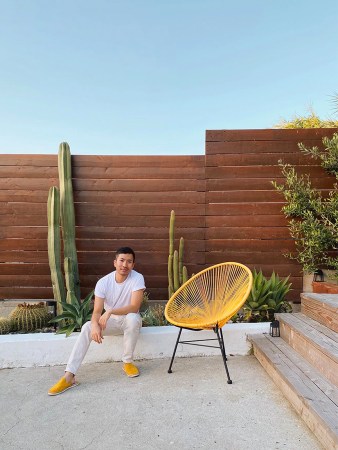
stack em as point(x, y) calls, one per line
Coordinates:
point(313, 397)
point(321, 307)
point(315, 342)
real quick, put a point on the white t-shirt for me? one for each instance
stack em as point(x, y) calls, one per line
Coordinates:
point(115, 294)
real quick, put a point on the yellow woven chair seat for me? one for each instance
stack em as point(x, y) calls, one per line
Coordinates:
point(207, 301)
point(211, 297)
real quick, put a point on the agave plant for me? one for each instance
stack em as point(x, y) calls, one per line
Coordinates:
point(278, 290)
point(74, 315)
point(267, 297)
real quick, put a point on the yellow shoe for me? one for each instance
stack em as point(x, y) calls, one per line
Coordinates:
point(61, 386)
point(131, 370)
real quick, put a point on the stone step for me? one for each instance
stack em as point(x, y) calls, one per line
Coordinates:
point(313, 397)
point(321, 307)
point(315, 342)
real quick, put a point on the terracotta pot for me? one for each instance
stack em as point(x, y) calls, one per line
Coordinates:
point(331, 288)
point(319, 287)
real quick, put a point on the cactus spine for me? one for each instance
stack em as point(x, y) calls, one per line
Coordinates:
point(54, 246)
point(68, 220)
point(177, 272)
point(29, 317)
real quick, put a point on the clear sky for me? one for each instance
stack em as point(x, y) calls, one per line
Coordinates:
point(150, 76)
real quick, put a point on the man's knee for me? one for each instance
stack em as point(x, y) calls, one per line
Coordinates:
point(133, 321)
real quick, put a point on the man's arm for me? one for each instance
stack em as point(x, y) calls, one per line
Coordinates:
point(96, 333)
point(133, 307)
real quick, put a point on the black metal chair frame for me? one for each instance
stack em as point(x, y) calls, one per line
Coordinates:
point(220, 339)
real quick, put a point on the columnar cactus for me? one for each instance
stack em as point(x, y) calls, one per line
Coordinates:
point(61, 209)
point(68, 219)
point(177, 272)
point(29, 317)
point(54, 247)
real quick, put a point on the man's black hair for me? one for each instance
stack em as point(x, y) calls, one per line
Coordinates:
point(125, 251)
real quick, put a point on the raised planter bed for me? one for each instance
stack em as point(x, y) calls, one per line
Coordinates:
point(49, 349)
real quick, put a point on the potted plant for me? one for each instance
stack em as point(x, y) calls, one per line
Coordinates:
point(313, 217)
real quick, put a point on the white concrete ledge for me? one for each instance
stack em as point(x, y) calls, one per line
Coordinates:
point(48, 349)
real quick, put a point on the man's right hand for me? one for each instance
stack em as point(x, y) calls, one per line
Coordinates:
point(96, 333)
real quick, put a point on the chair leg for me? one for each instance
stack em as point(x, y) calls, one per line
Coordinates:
point(172, 358)
point(219, 333)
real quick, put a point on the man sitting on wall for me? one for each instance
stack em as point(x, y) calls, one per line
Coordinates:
point(120, 293)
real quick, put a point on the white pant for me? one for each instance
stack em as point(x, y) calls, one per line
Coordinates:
point(128, 325)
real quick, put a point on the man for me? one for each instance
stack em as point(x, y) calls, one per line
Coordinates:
point(120, 293)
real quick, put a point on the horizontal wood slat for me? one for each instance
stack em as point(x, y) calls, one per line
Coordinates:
point(91, 209)
point(105, 232)
point(254, 245)
point(105, 221)
point(243, 196)
point(105, 173)
point(107, 185)
point(246, 232)
point(93, 256)
point(107, 197)
point(101, 244)
point(99, 268)
point(259, 184)
point(258, 159)
point(271, 172)
point(245, 220)
point(273, 134)
point(255, 147)
point(243, 209)
point(103, 160)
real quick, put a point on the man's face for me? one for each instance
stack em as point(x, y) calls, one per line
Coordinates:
point(124, 263)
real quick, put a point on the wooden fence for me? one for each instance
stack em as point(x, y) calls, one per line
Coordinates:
point(244, 222)
point(226, 209)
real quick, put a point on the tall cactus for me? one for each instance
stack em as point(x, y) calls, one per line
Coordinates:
point(177, 272)
point(68, 220)
point(54, 246)
point(60, 207)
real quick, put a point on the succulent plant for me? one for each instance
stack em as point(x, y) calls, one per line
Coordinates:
point(5, 325)
point(54, 246)
point(177, 272)
point(60, 208)
point(26, 317)
point(75, 314)
point(67, 214)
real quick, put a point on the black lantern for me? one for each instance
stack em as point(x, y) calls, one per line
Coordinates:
point(318, 275)
point(274, 328)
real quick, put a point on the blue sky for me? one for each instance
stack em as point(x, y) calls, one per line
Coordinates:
point(149, 77)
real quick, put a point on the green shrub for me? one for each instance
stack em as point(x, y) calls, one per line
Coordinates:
point(153, 316)
point(313, 218)
point(308, 121)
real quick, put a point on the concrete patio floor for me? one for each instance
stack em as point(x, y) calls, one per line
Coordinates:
point(192, 408)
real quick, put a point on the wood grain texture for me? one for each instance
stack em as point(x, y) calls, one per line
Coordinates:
point(307, 390)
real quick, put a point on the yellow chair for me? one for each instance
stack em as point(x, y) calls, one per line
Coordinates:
point(207, 301)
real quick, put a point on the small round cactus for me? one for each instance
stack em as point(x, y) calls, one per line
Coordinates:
point(5, 325)
point(27, 317)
